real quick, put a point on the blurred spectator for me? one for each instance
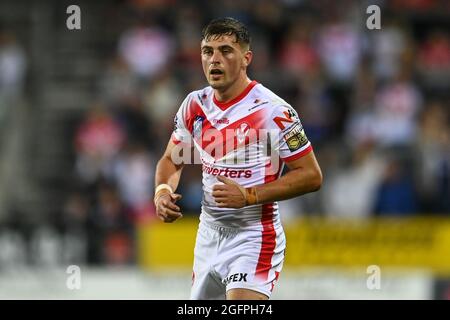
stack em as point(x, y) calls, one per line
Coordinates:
point(98, 139)
point(298, 54)
point(117, 82)
point(397, 105)
point(350, 190)
point(388, 47)
point(133, 170)
point(113, 228)
point(12, 65)
point(313, 103)
point(434, 60)
point(396, 194)
point(433, 150)
point(132, 118)
point(340, 49)
point(162, 99)
point(146, 49)
point(360, 124)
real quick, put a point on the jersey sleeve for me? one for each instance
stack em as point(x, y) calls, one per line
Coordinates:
point(181, 133)
point(291, 141)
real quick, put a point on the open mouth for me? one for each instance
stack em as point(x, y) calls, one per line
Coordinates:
point(215, 72)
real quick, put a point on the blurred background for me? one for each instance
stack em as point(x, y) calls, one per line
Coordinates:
point(86, 114)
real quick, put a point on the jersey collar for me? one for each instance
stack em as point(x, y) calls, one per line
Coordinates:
point(227, 104)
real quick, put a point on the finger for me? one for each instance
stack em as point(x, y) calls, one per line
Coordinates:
point(162, 200)
point(176, 196)
point(221, 196)
point(170, 212)
point(173, 214)
point(223, 205)
point(172, 219)
point(218, 187)
point(173, 206)
point(165, 211)
point(221, 200)
point(219, 193)
point(225, 180)
point(162, 204)
point(167, 203)
point(161, 215)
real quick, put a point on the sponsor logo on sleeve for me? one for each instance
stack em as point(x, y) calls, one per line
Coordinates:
point(289, 117)
point(296, 137)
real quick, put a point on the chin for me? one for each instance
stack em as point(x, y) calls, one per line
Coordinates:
point(217, 85)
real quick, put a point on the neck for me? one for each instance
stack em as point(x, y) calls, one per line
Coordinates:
point(227, 94)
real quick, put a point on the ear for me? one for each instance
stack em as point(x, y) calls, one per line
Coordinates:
point(247, 59)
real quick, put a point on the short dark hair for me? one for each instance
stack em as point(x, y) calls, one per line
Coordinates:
point(227, 26)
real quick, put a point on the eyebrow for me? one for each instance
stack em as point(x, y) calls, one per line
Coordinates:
point(220, 47)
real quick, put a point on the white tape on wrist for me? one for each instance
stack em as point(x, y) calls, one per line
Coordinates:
point(163, 186)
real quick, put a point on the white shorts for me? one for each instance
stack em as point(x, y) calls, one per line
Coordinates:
point(228, 258)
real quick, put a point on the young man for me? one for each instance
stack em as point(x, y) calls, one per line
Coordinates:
point(241, 129)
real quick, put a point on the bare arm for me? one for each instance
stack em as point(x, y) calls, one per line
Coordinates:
point(168, 172)
point(304, 176)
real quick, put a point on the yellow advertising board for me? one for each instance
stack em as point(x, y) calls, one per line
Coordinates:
point(410, 242)
point(406, 242)
point(167, 245)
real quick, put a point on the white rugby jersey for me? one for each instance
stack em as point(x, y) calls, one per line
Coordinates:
point(247, 140)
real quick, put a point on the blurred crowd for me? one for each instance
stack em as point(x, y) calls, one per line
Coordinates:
point(374, 104)
point(13, 65)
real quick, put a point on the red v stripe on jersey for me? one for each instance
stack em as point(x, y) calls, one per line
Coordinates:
point(255, 122)
point(210, 133)
point(193, 111)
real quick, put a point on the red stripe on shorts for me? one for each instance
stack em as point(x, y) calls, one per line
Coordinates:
point(268, 242)
point(268, 234)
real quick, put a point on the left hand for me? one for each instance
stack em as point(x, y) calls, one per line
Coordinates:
point(230, 194)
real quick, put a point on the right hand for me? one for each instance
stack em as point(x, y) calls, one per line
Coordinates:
point(166, 209)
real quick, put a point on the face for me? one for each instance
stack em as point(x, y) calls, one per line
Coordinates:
point(224, 61)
